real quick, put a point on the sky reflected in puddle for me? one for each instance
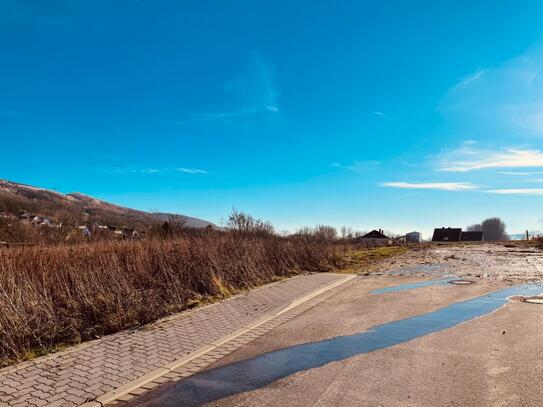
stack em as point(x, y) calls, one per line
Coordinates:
point(257, 372)
point(410, 286)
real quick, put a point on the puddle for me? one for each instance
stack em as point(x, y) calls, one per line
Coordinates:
point(409, 286)
point(257, 372)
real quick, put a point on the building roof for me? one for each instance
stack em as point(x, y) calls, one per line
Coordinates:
point(472, 236)
point(375, 234)
point(447, 235)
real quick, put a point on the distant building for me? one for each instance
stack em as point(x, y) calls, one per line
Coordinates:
point(377, 237)
point(25, 216)
point(375, 234)
point(85, 231)
point(447, 235)
point(413, 237)
point(471, 236)
point(47, 222)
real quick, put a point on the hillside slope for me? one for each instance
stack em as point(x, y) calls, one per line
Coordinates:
point(16, 197)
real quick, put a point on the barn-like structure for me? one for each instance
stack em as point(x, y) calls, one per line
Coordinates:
point(376, 237)
point(472, 236)
point(447, 235)
point(456, 235)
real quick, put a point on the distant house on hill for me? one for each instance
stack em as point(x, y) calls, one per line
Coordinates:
point(471, 236)
point(447, 235)
point(25, 216)
point(376, 236)
point(85, 231)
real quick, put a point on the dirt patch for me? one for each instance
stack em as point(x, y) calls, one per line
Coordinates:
point(370, 259)
point(474, 261)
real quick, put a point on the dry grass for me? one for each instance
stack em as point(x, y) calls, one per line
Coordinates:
point(56, 295)
point(360, 259)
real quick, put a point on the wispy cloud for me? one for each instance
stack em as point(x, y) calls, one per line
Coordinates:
point(155, 171)
point(381, 114)
point(441, 186)
point(469, 158)
point(253, 91)
point(471, 78)
point(516, 191)
point(359, 167)
point(520, 174)
point(504, 99)
point(191, 170)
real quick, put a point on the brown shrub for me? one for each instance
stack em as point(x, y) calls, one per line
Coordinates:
point(51, 295)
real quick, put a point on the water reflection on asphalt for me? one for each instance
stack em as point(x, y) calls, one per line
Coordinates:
point(259, 371)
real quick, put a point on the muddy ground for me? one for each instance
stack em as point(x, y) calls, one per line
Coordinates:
point(508, 262)
point(490, 359)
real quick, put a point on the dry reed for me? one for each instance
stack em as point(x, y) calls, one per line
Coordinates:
point(65, 294)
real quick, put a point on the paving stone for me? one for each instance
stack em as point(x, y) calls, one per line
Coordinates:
point(86, 371)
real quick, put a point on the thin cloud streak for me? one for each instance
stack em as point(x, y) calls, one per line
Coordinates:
point(359, 167)
point(468, 158)
point(439, 186)
point(192, 170)
point(520, 174)
point(504, 98)
point(381, 114)
point(516, 191)
point(155, 171)
point(259, 93)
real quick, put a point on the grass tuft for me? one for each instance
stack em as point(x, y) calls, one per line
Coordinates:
point(360, 259)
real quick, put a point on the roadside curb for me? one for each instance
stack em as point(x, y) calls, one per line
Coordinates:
point(161, 371)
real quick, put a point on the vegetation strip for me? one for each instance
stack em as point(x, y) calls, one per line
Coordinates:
point(102, 365)
point(128, 387)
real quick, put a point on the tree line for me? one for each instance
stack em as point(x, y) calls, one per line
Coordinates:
point(493, 229)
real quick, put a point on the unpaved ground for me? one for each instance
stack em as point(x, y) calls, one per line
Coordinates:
point(520, 263)
point(491, 360)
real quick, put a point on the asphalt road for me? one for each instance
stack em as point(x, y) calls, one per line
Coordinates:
point(491, 360)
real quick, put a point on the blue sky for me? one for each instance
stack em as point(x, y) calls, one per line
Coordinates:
point(392, 114)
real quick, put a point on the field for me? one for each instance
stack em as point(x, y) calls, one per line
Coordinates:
point(52, 296)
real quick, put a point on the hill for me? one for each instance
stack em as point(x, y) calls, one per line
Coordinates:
point(188, 221)
point(16, 197)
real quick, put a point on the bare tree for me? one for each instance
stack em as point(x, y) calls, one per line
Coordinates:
point(305, 231)
point(243, 223)
point(346, 232)
point(324, 232)
point(319, 232)
point(175, 225)
point(359, 233)
point(477, 227)
point(494, 229)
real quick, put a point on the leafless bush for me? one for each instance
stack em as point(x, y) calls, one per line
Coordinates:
point(240, 222)
point(70, 293)
point(319, 232)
